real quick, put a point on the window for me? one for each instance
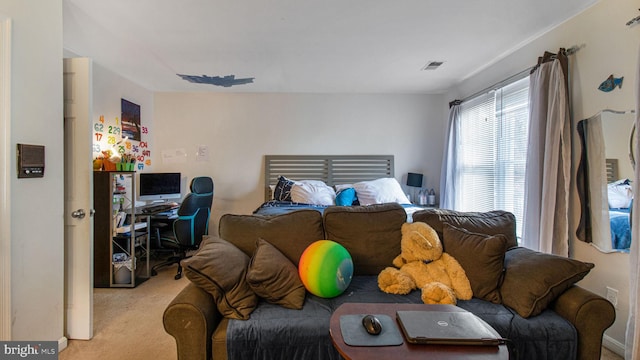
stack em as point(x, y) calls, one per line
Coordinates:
point(492, 150)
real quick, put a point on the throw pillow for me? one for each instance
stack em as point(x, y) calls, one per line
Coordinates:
point(482, 258)
point(346, 197)
point(282, 191)
point(533, 279)
point(274, 278)
point(219, 268)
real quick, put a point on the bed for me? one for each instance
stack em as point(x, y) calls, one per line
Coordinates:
point(619, 197)
point(294, 182)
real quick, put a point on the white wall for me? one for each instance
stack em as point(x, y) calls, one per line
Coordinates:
point(240, 129)
point(37, 243)
point(610, 48)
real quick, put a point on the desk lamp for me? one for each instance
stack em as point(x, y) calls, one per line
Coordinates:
point(414, 180)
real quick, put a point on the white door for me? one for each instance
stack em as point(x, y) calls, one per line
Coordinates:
point(5, 170)
point(78, 194)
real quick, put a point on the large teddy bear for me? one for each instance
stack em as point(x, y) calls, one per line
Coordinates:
point(423, 265)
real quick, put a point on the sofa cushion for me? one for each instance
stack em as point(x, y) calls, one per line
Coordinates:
point(533, 280)
point(482, 258)
point(290, 233)
point(220, 268)
point(371, 234)
point(489, 223)
point(274, 278)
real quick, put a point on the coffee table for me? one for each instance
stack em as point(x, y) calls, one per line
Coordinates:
point(406, 350)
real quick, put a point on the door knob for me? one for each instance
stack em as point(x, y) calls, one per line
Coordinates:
point(78, 214)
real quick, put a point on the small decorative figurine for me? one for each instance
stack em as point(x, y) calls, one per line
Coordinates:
point(611, 83)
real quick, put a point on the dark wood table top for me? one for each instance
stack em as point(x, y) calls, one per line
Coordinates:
point(406, 350)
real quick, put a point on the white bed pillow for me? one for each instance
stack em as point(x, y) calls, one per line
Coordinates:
point(620, 194)
point(379, 191)
point(313, 192)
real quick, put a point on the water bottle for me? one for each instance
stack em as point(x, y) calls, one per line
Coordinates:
point(431, 198)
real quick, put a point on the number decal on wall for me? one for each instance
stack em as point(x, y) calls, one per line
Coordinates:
point(115, 141)
point(114, 130)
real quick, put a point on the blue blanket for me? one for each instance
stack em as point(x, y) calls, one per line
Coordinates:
point(275, 207)
point(620, 229)
point(274, 332)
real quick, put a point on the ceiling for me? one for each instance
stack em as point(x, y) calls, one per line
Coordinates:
point(328, 46)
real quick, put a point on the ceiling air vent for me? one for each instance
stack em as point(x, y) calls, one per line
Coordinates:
point(432, 65)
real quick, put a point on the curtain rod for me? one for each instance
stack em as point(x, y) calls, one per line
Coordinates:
point(570, 51)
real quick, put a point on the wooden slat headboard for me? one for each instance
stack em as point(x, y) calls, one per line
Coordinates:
point(612, 170)
point(332, 169)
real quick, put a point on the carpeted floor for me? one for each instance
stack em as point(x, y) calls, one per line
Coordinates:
point(609, 355)
point(127, 323)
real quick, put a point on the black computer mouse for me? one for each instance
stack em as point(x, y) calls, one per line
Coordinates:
point(371, 324)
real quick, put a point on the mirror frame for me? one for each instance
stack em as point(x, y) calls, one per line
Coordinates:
point(591, 218)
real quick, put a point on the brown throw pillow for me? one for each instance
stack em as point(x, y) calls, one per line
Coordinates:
point(481, 257)
point(220, 268)
point(274, 278)
point(533, 279)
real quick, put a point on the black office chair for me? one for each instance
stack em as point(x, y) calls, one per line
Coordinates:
point(192, 223)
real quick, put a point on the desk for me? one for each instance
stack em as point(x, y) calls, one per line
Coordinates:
point(159, 215)
point(406, 350)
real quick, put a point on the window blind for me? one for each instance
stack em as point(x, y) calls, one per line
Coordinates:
point(492, 150)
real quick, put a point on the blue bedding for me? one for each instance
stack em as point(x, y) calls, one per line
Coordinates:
point(277, 207)
point(620, 229)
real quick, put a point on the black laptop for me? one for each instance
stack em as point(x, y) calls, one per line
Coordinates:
point(446, 328)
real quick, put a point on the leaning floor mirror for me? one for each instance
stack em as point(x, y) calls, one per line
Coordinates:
point(604, 179)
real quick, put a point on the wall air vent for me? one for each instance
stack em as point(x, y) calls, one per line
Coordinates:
point(432, 65)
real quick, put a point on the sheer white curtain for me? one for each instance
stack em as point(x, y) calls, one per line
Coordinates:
point(448, 179)
point(632, 345)
point(546, 224)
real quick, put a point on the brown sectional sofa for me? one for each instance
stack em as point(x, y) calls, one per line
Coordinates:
point(541, 311)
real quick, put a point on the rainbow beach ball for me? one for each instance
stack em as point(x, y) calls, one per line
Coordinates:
point(325, 268)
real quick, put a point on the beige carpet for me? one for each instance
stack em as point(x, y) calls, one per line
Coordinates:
point(127, 323)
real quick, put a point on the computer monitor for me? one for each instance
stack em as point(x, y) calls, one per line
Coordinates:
point(159, 186)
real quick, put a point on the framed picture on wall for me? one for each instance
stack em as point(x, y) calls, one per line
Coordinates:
point(130, 120)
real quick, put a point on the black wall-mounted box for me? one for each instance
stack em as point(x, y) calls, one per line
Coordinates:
point(30, 160)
